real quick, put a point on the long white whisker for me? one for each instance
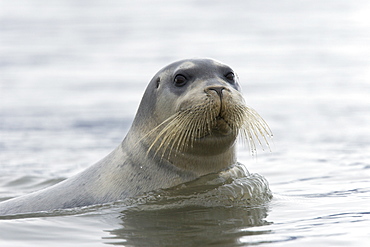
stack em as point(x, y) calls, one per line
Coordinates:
point(180, 131)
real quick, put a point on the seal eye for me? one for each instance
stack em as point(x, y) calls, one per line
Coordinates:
point(180, 80)
point(230, 76)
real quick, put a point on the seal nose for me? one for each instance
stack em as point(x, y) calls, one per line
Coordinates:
point(217, 89)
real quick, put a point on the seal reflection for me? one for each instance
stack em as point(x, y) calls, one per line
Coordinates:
point(217, 209)
point(188, 226)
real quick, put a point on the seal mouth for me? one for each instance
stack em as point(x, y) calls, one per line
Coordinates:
point(221, 127)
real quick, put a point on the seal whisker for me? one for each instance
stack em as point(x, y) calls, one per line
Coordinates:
point(175, 125)
point(189, 125)
point(177, 135)
point(183, 129)
point(154, 130)
point(165, 135)
point(261, 125)
point(182, 139)
point(254, 126)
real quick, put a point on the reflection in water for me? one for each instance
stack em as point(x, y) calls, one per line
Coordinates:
point(217, 208)
point(188, 226)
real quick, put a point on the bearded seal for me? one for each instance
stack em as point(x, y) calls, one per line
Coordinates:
point(186, 126)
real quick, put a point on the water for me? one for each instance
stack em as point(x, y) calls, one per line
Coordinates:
point(72, 74)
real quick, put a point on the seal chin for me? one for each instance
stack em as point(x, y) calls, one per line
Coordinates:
point(221, 133)
point(219, 129)
point(222, 127)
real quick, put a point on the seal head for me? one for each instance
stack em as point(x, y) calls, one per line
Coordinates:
point(194, 111)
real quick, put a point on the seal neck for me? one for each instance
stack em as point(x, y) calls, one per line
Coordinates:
point(206, 163)
point(202, 159)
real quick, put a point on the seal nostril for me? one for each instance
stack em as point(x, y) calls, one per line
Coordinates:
point(218, 90)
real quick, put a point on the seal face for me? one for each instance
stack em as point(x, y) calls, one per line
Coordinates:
point(186, 126)
point(199, 112)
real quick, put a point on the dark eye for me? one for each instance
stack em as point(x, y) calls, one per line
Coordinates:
point(180, 80)
point(230, 76)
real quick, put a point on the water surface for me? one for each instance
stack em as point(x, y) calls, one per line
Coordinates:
point(72, 74)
